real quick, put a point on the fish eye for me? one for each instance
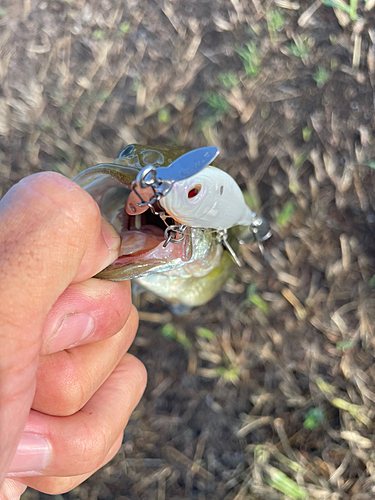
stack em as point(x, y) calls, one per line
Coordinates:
point(194, 191)
point(127, 151)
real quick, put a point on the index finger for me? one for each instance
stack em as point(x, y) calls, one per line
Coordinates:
point(51, 235)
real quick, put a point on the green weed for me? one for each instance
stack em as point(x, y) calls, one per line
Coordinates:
point(229, 79)
point(306, 133)
point(286, 214)
point(350, 9)
point(230, 374)
point(298, 161)
point(301, 50)
point(313, 418)
point(321, 76)
point(281, 482)
point(169, 331)
point(275, 23)
point(256, 300)
point(218, 103)
point(99, 34)
point(164, 116)
point(251, 59)
point(206, 123)
point(356, 411)
point(205, 333)
point(124, 27)
point(344, 345)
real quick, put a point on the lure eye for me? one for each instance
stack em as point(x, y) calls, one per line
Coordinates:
point(194, 191)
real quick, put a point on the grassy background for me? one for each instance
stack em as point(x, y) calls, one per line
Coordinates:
point(268, 392)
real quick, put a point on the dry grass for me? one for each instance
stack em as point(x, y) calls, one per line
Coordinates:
point(276, 397)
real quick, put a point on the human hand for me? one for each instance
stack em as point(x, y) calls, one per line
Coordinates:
point(67, 386)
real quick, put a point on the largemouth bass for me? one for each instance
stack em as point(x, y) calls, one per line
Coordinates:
point(180, 220)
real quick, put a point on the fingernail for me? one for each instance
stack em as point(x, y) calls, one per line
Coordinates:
point(113, 241)
point(111, 236)
point(33, 455)
point(74, 328)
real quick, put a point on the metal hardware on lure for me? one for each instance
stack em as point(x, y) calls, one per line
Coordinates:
point(261, 229)
point(174, 234)
point(161, 179)
point(223, 238)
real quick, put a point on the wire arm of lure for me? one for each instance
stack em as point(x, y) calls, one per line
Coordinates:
point(223, 238)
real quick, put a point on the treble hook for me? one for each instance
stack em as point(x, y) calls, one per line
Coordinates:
point(171, 234)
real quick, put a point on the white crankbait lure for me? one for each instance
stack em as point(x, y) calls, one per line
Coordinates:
point(209, 199)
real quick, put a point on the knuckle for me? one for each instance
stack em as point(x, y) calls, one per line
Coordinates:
point(72, 397)
point(61, 390)
point(90, 448)
point(53, 213)
point(62, 194)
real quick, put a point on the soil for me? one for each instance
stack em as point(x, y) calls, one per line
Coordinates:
point(276, 398)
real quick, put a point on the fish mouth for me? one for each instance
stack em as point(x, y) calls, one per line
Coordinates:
point(140, 235)
point(137, 243)
point(142, 242)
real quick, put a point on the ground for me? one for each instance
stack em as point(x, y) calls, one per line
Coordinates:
point(267, 392)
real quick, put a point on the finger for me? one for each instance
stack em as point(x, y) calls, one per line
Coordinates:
point(11, 490)
point(51, 235)
point(68, 379)
point(53, 485)
point(76, 445)
point(90, 311)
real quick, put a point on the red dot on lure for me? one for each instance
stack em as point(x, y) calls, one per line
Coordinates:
point(194, 191)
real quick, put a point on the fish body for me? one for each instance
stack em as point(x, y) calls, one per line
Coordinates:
point(189, 270)
point(190, 290)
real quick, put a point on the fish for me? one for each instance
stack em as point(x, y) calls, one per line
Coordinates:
point(181, 220)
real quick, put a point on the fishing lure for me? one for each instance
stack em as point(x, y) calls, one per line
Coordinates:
point(180, 218)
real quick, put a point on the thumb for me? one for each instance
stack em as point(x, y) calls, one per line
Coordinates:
point(11, 490)
point(51, 234)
